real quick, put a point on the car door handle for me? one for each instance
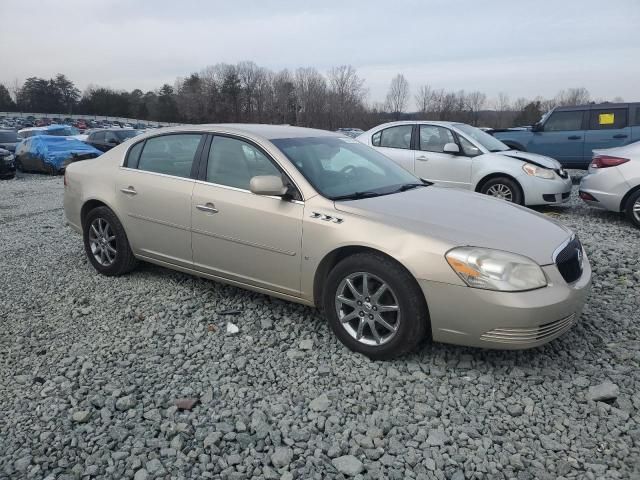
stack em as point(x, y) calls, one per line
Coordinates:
point(574, 137)
point(129, 190)
point(207, 207)
point(422, 158)
point(620, 135)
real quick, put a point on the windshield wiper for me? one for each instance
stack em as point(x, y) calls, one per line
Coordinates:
point(409, 186)
point(357, 195)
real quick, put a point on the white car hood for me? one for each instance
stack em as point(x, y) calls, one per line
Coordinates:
point(541, 160)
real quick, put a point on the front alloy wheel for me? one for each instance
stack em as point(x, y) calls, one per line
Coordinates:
point(503, 188)
point(367, 308)
point(500, 191)
point(375, 306)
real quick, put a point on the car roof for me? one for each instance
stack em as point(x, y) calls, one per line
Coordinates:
point(264, 131)
point(595, 106)
point(411, 122)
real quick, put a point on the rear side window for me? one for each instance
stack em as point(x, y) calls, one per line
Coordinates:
point(170, 154)
point(564, 121)
point(434, 138)
point(97, 137)
point(608, 119)
point(393, 137)
point(134, 155)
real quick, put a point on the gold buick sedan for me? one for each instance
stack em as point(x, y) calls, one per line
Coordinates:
point(318, 218)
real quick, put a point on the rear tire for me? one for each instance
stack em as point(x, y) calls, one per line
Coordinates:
point(106, 243)
point(503, 188)
point(351, 313)
point(632, 208)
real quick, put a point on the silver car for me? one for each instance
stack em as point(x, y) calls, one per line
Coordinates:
point(452, 154)
point(613, 181)
point(319, 218)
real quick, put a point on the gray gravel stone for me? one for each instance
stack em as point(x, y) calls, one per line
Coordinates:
point(443, 412)
point(282, 457)
point(348, 465)
point(82, 416)
point(603, 391)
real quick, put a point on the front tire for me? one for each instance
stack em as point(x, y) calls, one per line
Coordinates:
point(632, 208)
point(106, 243)
point(375, 306)
point(503, 188)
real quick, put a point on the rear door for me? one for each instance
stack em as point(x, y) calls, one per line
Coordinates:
point(395, 143)
point(154, 189)
point(607, 128)
point(562, 137)
point(433, 164)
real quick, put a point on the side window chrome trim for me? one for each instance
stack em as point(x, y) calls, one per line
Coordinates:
point(242, 190)
point(188, 179)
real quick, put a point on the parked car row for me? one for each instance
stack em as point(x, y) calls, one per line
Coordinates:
point(18, 123)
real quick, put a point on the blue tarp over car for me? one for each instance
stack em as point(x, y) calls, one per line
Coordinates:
point(52, 153)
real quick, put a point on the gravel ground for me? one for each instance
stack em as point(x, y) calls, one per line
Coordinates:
point(91, 368)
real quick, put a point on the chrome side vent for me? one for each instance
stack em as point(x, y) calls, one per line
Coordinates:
point(326, 218)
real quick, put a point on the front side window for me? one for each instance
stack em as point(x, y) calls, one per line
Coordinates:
point(338, 167)
point(234, 163)
point(608, 119)
point(170, 154)
point(393, 137)
point(434, 138)
point(564, 121)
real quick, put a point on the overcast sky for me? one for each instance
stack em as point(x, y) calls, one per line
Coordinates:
point(523, 48)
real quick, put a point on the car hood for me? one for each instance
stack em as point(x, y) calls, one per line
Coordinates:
point(464, 218)
point(540, 160)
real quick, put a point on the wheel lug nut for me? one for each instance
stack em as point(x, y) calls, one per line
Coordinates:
point(367, 299)
point(371, 316)
point(359, 302)
point(375, 309)
point(362, 314)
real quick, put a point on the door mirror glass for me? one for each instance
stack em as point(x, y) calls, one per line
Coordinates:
point(267, 185)
point(536, 127)
point(451, 148)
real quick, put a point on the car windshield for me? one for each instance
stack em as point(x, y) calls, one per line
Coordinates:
point(125, 134)
point(489, 142)
point(8, 137)
point(341, 167)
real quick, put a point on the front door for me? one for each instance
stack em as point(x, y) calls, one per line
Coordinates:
point(433, 164)
point(562, 137)
point(154, 189)
point(241, 236)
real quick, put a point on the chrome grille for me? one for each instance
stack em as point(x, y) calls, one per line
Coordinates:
point(523, 336)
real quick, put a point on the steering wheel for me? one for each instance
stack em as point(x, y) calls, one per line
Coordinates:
point(348, 170)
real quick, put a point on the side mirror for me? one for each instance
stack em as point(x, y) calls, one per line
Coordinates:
point(536, 127)
point(451, 148)
point(267, 185)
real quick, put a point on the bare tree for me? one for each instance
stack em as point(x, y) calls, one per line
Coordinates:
point(347, 92)
point(424, 99)
point(573, 96)
point(398, 95)
point(311, 94)
point(502, 107)
point(475, 101)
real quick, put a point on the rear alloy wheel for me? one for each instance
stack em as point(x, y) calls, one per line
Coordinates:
point(106, 243)
point(374, 306)
point(503, 188)
point(633, 208)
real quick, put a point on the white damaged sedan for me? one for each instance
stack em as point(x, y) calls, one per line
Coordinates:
point(452, 154)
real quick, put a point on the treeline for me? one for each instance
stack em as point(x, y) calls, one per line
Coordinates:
point(246, 92)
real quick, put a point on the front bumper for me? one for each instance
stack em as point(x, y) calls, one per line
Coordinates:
point(506, 320)
point(607, 186)
point(541, 191)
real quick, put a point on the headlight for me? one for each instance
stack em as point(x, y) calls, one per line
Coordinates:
point(495, 269)
point(536, 171)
